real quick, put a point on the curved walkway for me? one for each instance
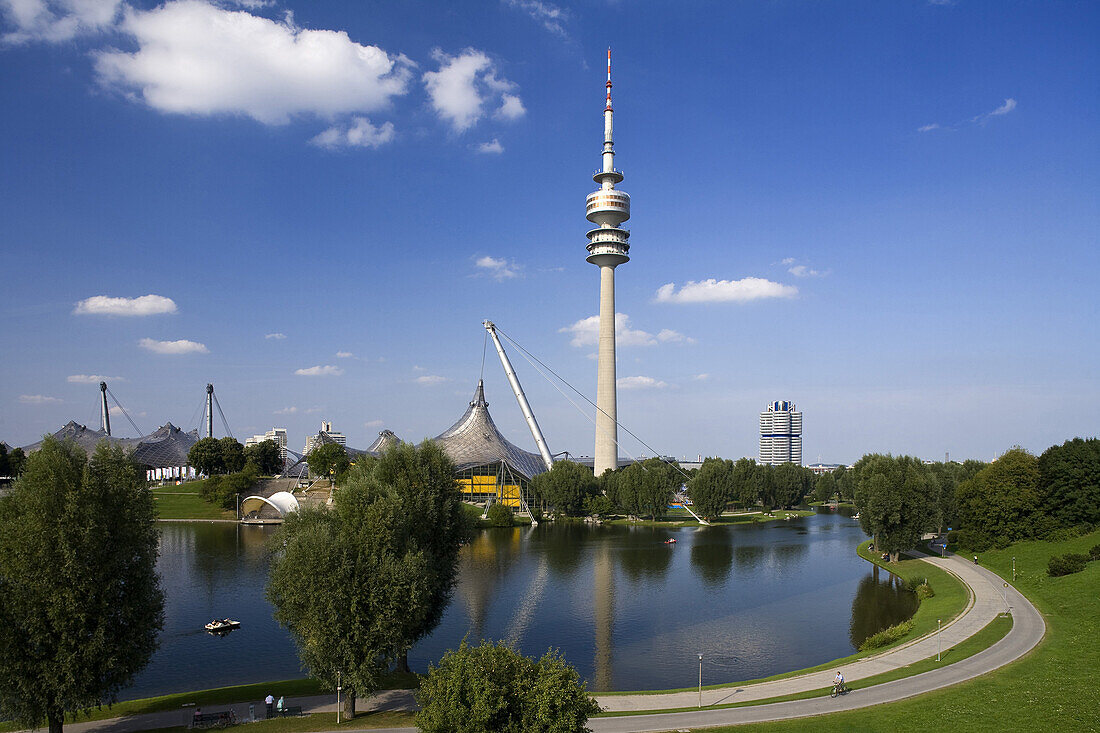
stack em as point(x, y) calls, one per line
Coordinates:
point(987, 600)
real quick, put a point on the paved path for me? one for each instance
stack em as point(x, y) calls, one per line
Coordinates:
point(987, 600)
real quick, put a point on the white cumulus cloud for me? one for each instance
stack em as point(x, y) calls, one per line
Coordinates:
point(493, 147)
point(668, 336)
point(724, 291)
point(361, 134)
point(194, 57)
point(640, 383)
point(430, 380)
point(57, 20)
point(586, 332)
point(275, 336)
point(182, 346)
point(465, 84)
point(319, 371)
point(498, 269)
point(105, 305)
point(802, 270)
point(344, 355)
point(91, 379)
point(38, 399)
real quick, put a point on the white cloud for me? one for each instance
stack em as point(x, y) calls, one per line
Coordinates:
point(802, 270)
point(344, 355)
point(668, 336)
point(194, 57)
point(725, 291)
point(492, 147)
point(104, 305)
point(430, 380)
point(183, 346)
point(91, 379)
point(550, 16)
point(498, 269)
point(286, 411)
point(373, 424)
point(929, 128)
point(586, 332)
point(1004, 109)
point(463, 86)
point(701, 377)
point(38, 399)
point(361, 134)
point(320, 371)
point(275, 336)
point(57, 20)
point(640, 383)
point(117, 410)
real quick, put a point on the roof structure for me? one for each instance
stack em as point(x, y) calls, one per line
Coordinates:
point(475, 441)
point(165, 447)
point(281, 501)
point(85, 437)
point(385, 440)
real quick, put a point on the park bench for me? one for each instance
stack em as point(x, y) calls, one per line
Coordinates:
point(293, 710)
point(222, 719)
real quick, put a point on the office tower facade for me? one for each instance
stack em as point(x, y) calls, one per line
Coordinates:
point(781, 434)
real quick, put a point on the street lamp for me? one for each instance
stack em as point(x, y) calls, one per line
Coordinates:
point(700, 680)
point(939, 643)
point(1013, 568)
point(338, 688)
point(1006, 598)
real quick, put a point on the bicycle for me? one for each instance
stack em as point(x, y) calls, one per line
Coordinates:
point(839, 688)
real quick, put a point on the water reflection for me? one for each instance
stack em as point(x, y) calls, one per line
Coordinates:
point(628, 610)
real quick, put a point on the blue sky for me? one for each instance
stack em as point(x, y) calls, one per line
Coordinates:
point(897, 203)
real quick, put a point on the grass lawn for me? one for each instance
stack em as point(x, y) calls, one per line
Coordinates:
point(327, 721)
point(184, 502)
point(1054, 688)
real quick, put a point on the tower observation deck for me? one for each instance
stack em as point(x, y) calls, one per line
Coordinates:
point(608, 245)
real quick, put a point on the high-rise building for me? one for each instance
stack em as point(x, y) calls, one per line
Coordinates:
point(607, 208)
point(275, 435)
point(781, 434)
point(326, 428)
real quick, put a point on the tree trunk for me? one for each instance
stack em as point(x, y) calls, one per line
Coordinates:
point(56, 720)
point(349, 704)
point(894, 557)
point(403, 663)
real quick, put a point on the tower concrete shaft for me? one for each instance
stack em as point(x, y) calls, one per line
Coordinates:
point(608, 246)
point(105, 412)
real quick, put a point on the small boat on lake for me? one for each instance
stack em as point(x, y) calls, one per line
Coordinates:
point(670, 542)
point(218, 626)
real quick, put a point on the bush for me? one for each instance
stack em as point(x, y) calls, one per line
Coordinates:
point(222, 491)
point(924, 591)
point(953, 537)
point(1094, 552)
point(887, 636)
point(1066, 564)
point(499, 515)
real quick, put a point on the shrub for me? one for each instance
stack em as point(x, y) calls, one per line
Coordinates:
point(887, 636)
point(924, 591)
point(1062, 534)
point(1066, 564)
point(953, 537)
point(499, 515)
point(1094, 552)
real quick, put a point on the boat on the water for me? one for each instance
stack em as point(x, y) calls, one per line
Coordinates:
point(670, 542)
point(222, 625)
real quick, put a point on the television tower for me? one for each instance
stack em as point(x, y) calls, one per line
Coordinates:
point(607, 208)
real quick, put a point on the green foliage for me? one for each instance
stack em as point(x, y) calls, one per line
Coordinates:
point(566, 486)
point(80, 600)
point(897, 500)
point(1002, 501)
point(499, 515)
point(1069, 481)
point(11, 462)
point(745, 490)
point(266, 456)
point(1094, 552)
point(223, 491)
point(825, 487)
point(924, 591)
point(350, 557)
point(600, 506)
point(712, 488)
point(887, 636)
point(330, 459)
point(844, 484)
point(492, 687)
point(232, 454)
point(645, 488)
point(1066, 564)
point(205, 457)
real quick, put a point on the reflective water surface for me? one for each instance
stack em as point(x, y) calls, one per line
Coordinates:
point(628, 610)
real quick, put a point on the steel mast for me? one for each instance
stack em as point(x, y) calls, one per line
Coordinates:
point(521, 398)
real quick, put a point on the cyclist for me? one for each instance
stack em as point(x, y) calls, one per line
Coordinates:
point(838, 683)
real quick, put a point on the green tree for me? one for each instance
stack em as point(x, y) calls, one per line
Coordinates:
point(897, 500)
point(763, 478)
point(492, 687)
point(646, 488)
point(330, 459)
point(844, 485)
point(205, 457)
point(266, 456)
point(500, 515)
point(790, 483)
point(711, 489)
point(744, 482)
point(346, 586)
point(1001, 503)
point(80, 600)
point(430, 521)
point(1069, 481)
point(232, 454)
point(825, 487)
point(566, 486)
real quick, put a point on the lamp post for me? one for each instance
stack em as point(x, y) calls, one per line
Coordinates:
point(338, 688)
point(1013, 568)
point(1006, 598)
point(700, 680)
point(939, 643)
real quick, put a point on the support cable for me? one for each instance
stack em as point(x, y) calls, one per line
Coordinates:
point(131, 420)
point(222, 415)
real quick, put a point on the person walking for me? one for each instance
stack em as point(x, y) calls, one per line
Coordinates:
point(279, 705)
point(270, 702)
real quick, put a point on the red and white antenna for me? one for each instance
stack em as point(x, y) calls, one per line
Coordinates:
point(608, 79)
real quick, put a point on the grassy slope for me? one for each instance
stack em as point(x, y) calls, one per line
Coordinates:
point(1055, 687)
point(184, 502)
